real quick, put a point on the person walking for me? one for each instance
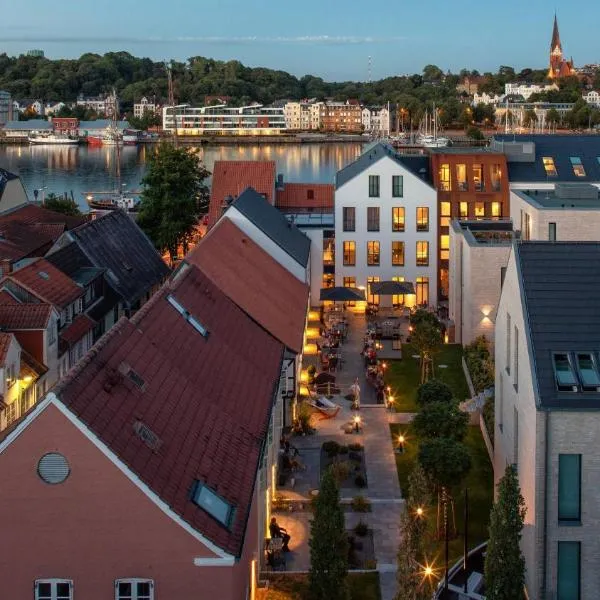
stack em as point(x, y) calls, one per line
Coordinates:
point(355, 391)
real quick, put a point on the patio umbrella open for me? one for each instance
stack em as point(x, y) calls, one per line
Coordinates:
point(342, 294)
point(392, 288)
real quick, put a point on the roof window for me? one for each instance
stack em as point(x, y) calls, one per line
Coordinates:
point(137, 379)
point(213, 504)
point(193, 321)
point(147, 436)
point(566, 381)
point(549, 166)
point(44, 275)
point(577, 166)
point(587, 368)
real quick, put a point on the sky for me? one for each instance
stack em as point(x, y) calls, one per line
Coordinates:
point(332, 39)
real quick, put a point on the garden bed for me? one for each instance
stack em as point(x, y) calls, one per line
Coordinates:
point(348, 463)
point(361, 548)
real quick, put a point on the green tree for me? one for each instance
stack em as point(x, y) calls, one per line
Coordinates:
point(434, 390)
point(530, 118)
point(504, 563)
point(328, 544)
point(65, 206)
point(552, 117)
point(427, 339)
point(474, 133)
point(441, 419)
point(174, 195)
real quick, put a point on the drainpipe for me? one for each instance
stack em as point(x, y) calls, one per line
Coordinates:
point(546, 501)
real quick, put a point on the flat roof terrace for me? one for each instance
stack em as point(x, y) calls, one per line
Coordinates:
point(572, 196)
point(486, 232)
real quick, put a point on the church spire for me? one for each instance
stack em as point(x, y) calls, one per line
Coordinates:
point(555, 36)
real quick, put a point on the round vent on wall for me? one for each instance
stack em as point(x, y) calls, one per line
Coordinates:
point(53, 468)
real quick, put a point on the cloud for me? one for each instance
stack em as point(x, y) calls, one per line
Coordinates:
point(332, 40)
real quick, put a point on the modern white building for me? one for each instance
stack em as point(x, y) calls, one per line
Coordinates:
point(224, 120)
point(592, 98)
point(6, 107)
point(486, 98)
point(144, 106)
point(527, 89)
point(547, 421)
point(386, 225)
point(302, 116)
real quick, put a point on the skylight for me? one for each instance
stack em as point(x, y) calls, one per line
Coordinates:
point(577, 166)
point(193, 321)
point(147, 435)
point(588, 371)
point(213, 504)
point(565, 377)
point(549, 166)
point(44, 275)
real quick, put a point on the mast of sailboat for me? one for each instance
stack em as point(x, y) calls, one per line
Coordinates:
point(115, 128)
point(171, 100)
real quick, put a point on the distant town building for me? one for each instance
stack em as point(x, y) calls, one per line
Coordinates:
point(6, 107)
point(52, 108)
point(21, 129)
point(592, 98)
point(208, 100)
point(517, 110)
point(35, 53)
point(341, 117)
point(379, 121)
point(486, 98)
point(304, 115)
point(65, 125)
point(527, 89)
point(559, 66)
point(144, 106)
point(470, 85)
point(219, 120)
point(28, 105)
point(103, 105)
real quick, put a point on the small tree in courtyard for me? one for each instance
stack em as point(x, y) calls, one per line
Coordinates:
point(328, 545)
point(441, 419)
point(434, 390)
point(427, 339)
point(504, 563)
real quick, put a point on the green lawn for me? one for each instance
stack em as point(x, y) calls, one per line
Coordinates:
point(404, 375)
point(363, 586)
point(479, 482)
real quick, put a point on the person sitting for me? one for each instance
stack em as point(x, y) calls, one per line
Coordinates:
point(279, 532)
point(290, 463)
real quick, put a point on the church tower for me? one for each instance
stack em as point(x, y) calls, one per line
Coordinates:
point(558, 66)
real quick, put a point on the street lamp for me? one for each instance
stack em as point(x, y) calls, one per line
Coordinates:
point(357, 423)
point(401, 440)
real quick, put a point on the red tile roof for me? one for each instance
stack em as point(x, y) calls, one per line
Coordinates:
point(5, 340)
point(77, 329)
point(257, 283)
point(16, 317)
point(298, 196)
point(20, 240)
point(208, 400)
point(34, 214)
point(232, 177)
point(44, 280)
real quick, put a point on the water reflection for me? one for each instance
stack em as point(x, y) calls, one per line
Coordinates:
point(79, 169)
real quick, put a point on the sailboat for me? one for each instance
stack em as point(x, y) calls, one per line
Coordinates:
point(431, 140)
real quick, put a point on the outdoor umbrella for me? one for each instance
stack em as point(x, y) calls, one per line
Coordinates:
point(342, 294)
point(392, 288)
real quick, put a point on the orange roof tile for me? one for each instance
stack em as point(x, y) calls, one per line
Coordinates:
point(77, 329)
point(232, 177)
point(256, 282)
point(316, 196)
point(5, 340)
point(18, 317)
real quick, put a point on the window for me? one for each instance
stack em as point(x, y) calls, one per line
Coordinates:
point(444, 247)
point(461, 177)
point(328, 280)
point(398, 299)
point(500, 398)
point(52, 333)
point(349, 216)
point(397, 254)
point(134, 589)
point(515, 436)
point(350, 282)
point(349, 254)
point(588, 372)
point(549, 167)
point(496, 178)
point(10, 375)
point(372, 298)
point(496, 210)
point(193, 321)
point(422, 218)
point(53, 589)
point(398, 218)
point(373, 218)
point(566, 381)
point(397, 186)
point(577, 166)
point(328, 252)
point(445, 214)
point(478, 182)
point(552, 232)
point(422, 254)
point(373, 254)
point(569, 487)
point(464, 210)
point(508, 330)
point(310, 194)
point(373, 186)
point(516, 360)
point(525, 225)
point(479, 210)
point(445, 184)
point(422, 291)
point(568, 580)
point(213, 504)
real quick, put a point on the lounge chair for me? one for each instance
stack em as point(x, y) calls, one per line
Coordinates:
point(326, 407)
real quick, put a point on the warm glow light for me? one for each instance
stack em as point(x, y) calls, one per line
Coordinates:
point(446, 338)
point(313, 315)
point(304, 377)
point(252, 579)
point(401, 439)
point(410, 327)
point(428, 571)
point(273, 469)
point(28, 379)
point(389, 389)
point(304, 390)
point(384, 365)
point(356, 419)
point(268, 514)
point(391, 399)
point(487, 310)
point(310, 348)
point(312, 332)
point(419, 512)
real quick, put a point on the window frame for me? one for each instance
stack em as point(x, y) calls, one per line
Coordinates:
point(562, 519)
point(396, 226)
point(374, 187)
point(445, 177)
point(420, 261)
point(373, 255)
point(53, 582)
point(549, 166)
point(551, 231)
point(577, 166)
point(349, 253)
point(571, 544)
point(348, 224)
point(422, 224)
point(462, 183)
point(134, 581)
point(402, 253)
point(562, 387)
point(397, 190)
point(373, 224)
point(478, 168)
point(585, 385)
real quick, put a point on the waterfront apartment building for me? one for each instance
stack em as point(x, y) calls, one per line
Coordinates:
point(6, 108)
point(341, 117)
point(379, 120)
point(219, 120)
point(471, 183)
point(527, 89)
point(386, 215)
point(144, 106)
point(517, 111)
point(547, 418)
point(103, 105)
point(303, 115)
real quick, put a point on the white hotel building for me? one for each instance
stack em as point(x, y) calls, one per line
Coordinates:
point(224, 120)
point(386, 225)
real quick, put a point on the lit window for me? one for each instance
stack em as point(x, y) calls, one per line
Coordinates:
point(398, 254)
point(479, 210)
point(461, 177)
point(548, 162)
point(349, 214)
point(397, 218)
point(349, 254)
point(372, 298)
point(552, 232)
point(577, 166)
point(328, 280)
point(373, 218)
point(496, 210)
point(328, 252)
point(53, 589)
point(213, 504)
point(496, 178)
point(422, 291)
point(398, 299)
point(373, 254)
point(397, 186)
point(445, 214)
point(422, 254)
point(134, 589)
point(444, 247)
point(563, 371)
point(464, 210)
point(478, 181)
point(445, 184)
point(588, 371)
point(422, 218)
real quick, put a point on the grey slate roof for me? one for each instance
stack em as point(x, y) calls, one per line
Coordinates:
point(116, 243)
point(561, 148)
point(418, 165)
point(31, 125)
point(561, 285)
point(274, 224)
point(102, 124)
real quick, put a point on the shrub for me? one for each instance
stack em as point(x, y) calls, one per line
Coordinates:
point(480, 363)
point(332, 448)
point(360, 504)
point(488, 417)
point(361, 529)
point(302, 425)
point(434, 390)
point(355, 456)
point(474, 133)
point(360, 481)
point(340, 470)
point(343, 449)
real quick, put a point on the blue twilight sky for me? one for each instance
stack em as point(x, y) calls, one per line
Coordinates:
point(329, 38)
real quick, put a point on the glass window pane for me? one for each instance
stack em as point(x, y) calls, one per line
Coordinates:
point(373, 254)
point(398, 254)
point(422, 254)
point(445, 184)
point(373, 186)
point(496, 210)
point(373, 218)
point(479, 210)
point(548, 163)
point(44, 591)
point(398, 218)
point(461, 177)
point(577, 166)
point(349, 213)
point(464, 210)
point(569, 487)
point(478, 182)
point(63, 591)
point(349, 254)
point(422, 218)
point(587, 370)
point(143, 590)
point(568, 571)
point(564, 372)
point(397, 186)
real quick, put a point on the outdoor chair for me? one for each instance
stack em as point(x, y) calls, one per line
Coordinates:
point(325, 407)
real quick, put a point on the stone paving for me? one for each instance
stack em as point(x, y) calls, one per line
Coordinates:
point(383, 489)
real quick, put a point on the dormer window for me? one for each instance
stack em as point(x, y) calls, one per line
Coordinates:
point(577, 166)
point(549, 166)
point(587, 368)
point(566, 381)
point(213, 504)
